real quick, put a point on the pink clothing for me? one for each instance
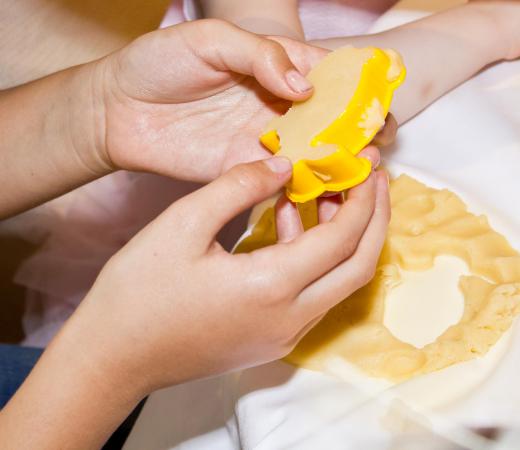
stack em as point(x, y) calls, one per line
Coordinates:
point(333, 18)
point(320, 18)
point(95, 221)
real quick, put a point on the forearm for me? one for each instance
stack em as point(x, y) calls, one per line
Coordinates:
point(48, 139)
point(76, 396)
point(439, 51)
point(271, 17)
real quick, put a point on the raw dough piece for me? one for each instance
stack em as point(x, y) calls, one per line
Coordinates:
point(337, 78)
point(425, 223)
point(353, 89)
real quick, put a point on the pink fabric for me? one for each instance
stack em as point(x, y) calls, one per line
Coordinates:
point(332, 18)
point(320, 18)
point(100, 218)
point(175, 14)
point(95, 221)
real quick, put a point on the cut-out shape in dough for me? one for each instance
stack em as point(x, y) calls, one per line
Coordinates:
point(425, 303)
point(425, 224)
point(353, 90)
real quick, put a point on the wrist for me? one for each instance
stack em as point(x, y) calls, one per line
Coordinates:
point(106, 360)
point(79, 384)
point(48, 139)
point(495, 16)
point(87, 117)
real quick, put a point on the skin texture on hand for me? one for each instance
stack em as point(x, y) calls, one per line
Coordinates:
point(172, 305)
point(181, 103)
point(176, 102)
point(218, 304)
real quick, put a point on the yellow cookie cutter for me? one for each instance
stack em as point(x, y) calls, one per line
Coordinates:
point(381, 74)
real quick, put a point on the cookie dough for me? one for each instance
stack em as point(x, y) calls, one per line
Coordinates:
point(353, 89)
point(337, 78)
point(426, 223)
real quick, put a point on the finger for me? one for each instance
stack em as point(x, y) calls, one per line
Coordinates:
point(288, 223)
point(386, 135)
point(372, 154)
point(328, 207)
point(246, 53)
point(243, 186)
point(321, 248)
point(329, 204)
point(358, 270)
point(302, 55)
point(308, 327)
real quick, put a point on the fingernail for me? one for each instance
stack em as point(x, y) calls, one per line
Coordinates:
point(297, 82)
point(278, 164)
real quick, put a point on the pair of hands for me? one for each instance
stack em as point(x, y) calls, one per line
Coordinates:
point(190, 101)
point(172, 305)
point(180, 102)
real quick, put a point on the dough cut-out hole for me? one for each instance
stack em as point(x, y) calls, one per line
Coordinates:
point(428, 327)
point(425, 303)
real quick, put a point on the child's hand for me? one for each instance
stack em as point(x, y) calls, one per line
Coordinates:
point(182, 101)
point(173, 305)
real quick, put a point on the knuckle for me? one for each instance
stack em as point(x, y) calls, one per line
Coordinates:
point(346, 248)
point(266, 287)
point(281, 277)
point(207, 29)
point(277, 351)
point(369, 275)
point(285, 341)
point(246, 179)
point(364, 276)
point(212, 24)
point(268, 47)
point(284, 350)
point(276, 293)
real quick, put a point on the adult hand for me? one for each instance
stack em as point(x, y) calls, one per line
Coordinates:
point(191, 100)
point(190, 309)
point(172, 305)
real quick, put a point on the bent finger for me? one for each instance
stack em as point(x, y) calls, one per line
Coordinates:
point(358, 270)
point(323, 247)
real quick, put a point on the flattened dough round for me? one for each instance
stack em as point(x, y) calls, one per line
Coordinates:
point(425, 223)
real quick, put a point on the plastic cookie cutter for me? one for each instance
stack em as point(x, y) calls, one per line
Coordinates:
point(353, 89)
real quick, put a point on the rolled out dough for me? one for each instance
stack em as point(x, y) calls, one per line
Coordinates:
point(425, 223)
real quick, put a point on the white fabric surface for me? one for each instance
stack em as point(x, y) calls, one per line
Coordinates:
point(469, 142)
